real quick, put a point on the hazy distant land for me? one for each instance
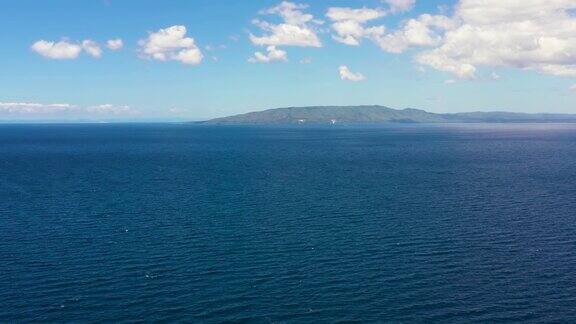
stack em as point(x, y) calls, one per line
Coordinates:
point(381, 114)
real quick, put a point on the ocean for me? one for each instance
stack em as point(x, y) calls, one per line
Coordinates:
point(207, 224)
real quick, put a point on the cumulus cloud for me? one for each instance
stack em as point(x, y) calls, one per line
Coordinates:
point(115, 44)
point(273, 54)
point(537, 35)
point(397, 6)
point(92, 48)
point(346, 74)
point(33, 109)
point(360, 15)
point(62, 50)
point(349, 24)
point(69, 50)
point(296, 29)
point(171, 44)
point(426, 30)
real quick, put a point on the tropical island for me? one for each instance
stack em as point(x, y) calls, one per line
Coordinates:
point(379, 115)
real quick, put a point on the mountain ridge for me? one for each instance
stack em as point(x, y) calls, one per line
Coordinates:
point(376, 114)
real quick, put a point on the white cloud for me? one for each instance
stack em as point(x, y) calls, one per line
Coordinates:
point(426, 30)
point(171, 44)
point(346, 74)
point(92, 48)
point(297, 29)
point(306, 60)
point(180, 111)
point(349, 24)
point(115, 44)
point(449, 81)
point(397, 6)
point(109, 109)
point(69, 50)
point(273, 55)
point(360, 15)
point(33, 109)
point(292, 13)
point(537, 35)
point(62, 50)
point(573, 88)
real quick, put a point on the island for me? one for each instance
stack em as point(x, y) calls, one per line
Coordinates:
point(378, 115)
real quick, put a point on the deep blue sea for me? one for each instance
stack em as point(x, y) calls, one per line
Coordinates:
point(177, 222)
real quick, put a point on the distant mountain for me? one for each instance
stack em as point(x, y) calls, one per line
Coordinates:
point(508, 117)
point(379, 115)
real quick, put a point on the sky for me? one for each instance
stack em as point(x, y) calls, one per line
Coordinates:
point(199, 59)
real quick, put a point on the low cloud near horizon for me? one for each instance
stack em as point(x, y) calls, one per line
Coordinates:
point(33, 109)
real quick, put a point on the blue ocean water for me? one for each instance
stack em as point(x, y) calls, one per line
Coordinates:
point(176, 222)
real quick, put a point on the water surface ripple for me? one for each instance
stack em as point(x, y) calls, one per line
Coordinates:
point(407, 223)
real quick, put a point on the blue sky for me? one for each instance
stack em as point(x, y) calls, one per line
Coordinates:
point(395, 67)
